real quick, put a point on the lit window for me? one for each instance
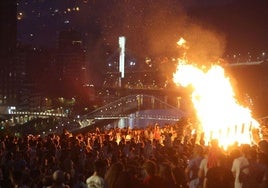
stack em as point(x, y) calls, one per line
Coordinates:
point(20, 16)
point(132, 63)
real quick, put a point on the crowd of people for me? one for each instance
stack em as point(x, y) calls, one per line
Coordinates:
point(152, 157)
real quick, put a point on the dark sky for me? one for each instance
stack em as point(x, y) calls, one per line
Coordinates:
point(152, 26)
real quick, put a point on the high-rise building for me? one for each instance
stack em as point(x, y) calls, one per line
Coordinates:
point(71, 62)
point(8, 35)
point(8, 26)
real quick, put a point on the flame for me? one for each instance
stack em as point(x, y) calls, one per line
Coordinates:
point(181, 42)
point(218, 111)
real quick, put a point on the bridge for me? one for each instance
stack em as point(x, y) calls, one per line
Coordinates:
point(133, 110)
point(13, 117)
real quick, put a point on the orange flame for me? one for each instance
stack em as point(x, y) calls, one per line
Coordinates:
point(218, 111)
point(181, 42)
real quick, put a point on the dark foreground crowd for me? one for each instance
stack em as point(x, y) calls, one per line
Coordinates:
point(153, 157)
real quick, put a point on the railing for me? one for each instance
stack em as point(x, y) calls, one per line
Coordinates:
point(130, 107)
point(38, 113)
point(126, 105)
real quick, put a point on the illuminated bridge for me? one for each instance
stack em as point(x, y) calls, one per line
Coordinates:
point(13, 117)
point(133, 110)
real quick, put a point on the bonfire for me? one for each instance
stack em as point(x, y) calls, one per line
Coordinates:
point(217, 109)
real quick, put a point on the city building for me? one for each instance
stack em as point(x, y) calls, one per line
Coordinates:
point(16, 89)
point(8, 72)
point(8, 26)
point(71, 70)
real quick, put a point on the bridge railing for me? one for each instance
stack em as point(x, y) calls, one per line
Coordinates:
point(128, 104)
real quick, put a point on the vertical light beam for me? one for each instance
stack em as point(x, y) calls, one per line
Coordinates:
point(122, 43)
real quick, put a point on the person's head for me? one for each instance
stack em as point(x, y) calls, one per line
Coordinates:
point(58, 177)
point(235, 153)
point(100, 167)
point(198, 150)
point(245, 149)
point(113, 173)
point(214, 143)
point(150, 167)
point(263, 146)
point(81, 177)
point(251, 154)
point(47, 181)
point(123, 180)
point(165, 171)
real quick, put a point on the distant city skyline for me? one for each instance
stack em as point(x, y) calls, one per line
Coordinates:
point(69, 48)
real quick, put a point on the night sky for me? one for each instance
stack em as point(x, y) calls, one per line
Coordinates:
point(152, 27)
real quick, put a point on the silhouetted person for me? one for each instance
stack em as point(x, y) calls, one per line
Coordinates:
point(219, 176)
point(151, 179)
point(96, 180)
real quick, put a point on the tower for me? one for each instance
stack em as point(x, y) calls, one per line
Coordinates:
point(8, 26)
point(71, 65)
point(8, 38)
point(122, 43)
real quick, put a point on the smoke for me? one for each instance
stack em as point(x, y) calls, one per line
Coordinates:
point(205, 46)
point(152, 29)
